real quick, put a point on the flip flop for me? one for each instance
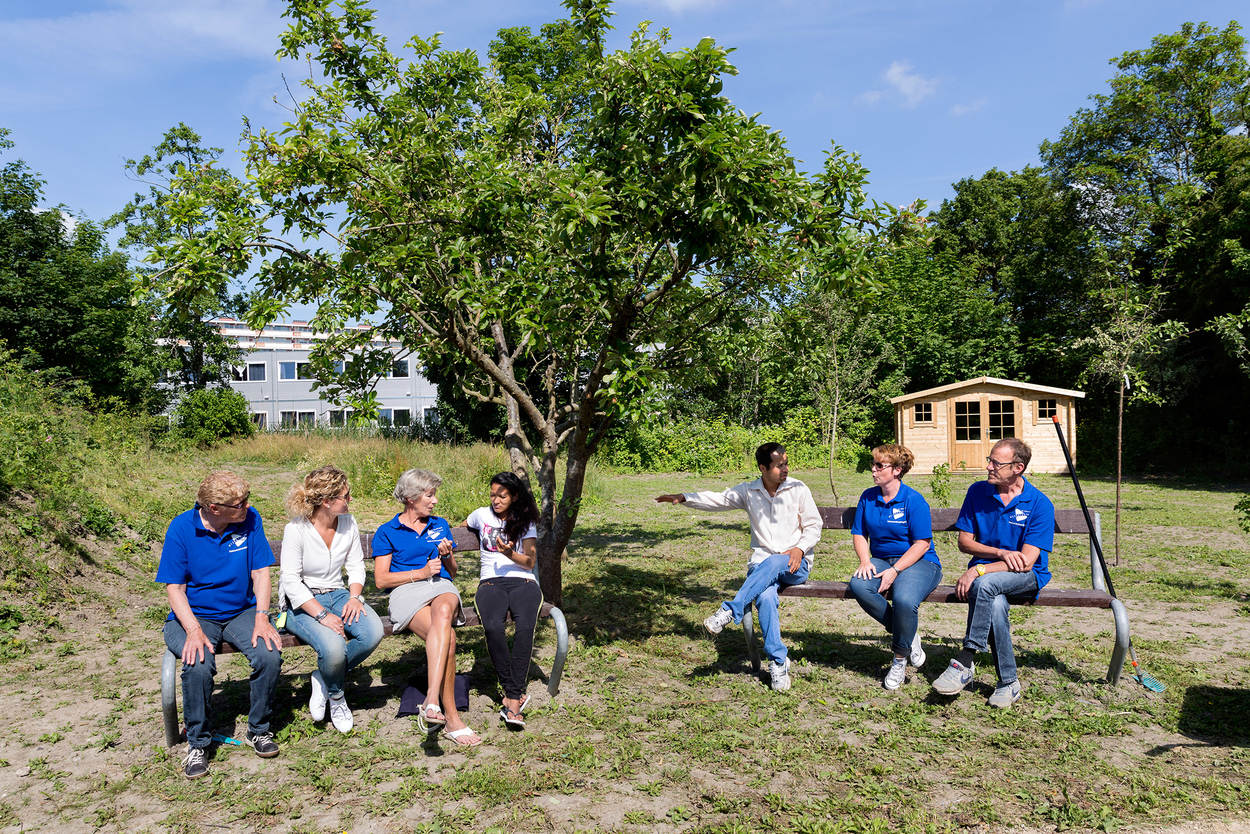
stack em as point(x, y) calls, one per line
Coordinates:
point(461, 736)
point(514, 720)
point(431, 719)
point(525, 702)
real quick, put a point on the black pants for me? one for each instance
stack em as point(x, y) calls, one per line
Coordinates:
point(494, 599)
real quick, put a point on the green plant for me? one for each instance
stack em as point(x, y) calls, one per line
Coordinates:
point(940, 485)
point(211, 415)
point(1243, 511)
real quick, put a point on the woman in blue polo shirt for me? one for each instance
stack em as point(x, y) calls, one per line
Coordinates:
point(893, 538)
point(414, 563)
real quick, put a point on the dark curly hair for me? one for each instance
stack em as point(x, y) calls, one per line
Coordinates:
point(523, 511)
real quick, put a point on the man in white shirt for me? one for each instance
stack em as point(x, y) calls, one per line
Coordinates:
point(785, 528)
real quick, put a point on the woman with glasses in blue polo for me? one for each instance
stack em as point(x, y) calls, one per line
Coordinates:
point(893, 538)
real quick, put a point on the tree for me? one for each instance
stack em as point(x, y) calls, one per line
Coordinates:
point(197, 355)
point(65, 301)
point(568, 220)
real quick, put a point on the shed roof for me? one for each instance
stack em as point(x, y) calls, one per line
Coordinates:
point(981, 380)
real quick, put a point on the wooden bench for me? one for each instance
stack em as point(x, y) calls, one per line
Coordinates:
point(1066, 522)
point(465, 539)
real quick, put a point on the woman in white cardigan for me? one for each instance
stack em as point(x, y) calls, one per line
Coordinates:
point(320, 541)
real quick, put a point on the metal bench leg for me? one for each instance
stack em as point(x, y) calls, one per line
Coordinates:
point(562, 650)
point(169, 697)
point(1121, 642)
point(748, 631)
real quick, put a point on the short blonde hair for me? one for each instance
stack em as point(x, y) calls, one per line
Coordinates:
point(222, 488)
point(415, 483)
point(318, 487)
point(895, 454)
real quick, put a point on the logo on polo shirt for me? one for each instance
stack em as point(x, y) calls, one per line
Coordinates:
point(1019, 516)
point(432, 534)
point(898, 516)
point(237, 542)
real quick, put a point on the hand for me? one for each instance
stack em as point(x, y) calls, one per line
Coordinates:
point(196, 649)
point(796, 559)
point(887, 577)
point(505, 546)
point(1014, 560)
point(445, 547)
point(352, 610)
point(865, 571)
point(333, 622)
point(264, 630)
point(435, 565)
point(964, 583)
point(671, 498)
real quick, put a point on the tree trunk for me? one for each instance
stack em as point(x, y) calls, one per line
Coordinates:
point(1119, 468)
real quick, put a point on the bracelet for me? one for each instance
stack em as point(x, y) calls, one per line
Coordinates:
point(265, 612)
point(325, 612)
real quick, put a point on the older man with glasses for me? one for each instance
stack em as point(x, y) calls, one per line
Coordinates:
point(215, 565)
point(1007, 526)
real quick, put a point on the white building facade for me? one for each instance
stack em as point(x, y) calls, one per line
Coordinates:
point(274, 376)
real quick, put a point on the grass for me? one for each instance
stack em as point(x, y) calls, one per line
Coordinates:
point(656, 726)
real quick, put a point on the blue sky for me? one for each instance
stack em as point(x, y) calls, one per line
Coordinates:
point(926, 92)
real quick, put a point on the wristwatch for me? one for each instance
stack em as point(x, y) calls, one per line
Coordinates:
point(980, 569)
point(359, 598)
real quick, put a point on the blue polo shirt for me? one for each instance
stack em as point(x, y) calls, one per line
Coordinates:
point(408, 549)
point(892, 526)
point(1028, 519)
point(216, 568)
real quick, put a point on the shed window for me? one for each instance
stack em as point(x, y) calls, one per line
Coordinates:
point(922, 414)
point(967, 421)
point(1047, 409)
point(1002, 419)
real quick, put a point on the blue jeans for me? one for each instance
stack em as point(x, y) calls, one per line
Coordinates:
point(989, 601)
point(336, 656)
point(760, 588)
point(900, 613)
point(197, 678)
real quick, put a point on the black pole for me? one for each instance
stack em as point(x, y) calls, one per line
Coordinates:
point(1080, 496)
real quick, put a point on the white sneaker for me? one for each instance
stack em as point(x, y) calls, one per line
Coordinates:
point(717, 622)
point(317, 700)
point(780, 673)
point(340, 714)
point(898, 672)
point(917, 656)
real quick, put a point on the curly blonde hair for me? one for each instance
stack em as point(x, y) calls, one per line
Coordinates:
point(318, 487)
point(895, 454)
point(222, 487)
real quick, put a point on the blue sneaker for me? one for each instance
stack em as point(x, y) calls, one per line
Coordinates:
point(1005, 695)
point(955, 678)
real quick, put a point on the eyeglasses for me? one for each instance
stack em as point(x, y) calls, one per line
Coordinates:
point(347, 496)
point(998, 464)
point(237, 506)
point(877, 466)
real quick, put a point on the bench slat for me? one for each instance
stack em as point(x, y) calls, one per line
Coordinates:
point(944, 518)
point(1050, 597)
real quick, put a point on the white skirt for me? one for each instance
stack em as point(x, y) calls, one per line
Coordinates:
point(407, 600)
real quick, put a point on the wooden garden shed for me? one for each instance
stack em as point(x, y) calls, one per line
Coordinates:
point(958, 424)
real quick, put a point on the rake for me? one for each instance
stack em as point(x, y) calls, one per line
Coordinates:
point(1139, 674)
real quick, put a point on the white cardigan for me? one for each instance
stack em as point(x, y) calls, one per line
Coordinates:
point(308, 563)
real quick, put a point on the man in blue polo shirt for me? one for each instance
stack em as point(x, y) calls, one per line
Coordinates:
point(1007, 526)
point(215, 563)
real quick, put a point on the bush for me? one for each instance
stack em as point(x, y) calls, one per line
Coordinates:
point(211, 415)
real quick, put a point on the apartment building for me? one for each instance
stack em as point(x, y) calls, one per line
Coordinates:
point(274, 376)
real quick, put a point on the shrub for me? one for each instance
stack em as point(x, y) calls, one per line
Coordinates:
point(1243, 509)
point(940, 485)
point(211, 415)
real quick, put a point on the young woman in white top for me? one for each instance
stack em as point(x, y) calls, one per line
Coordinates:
point(320, 541)
point(508, 552)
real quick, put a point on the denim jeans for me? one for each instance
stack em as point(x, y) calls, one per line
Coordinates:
point(763, 580)
point(899, 614)
point(336, 656)
point(197, 678)
point(989, 601)
point(494, 599)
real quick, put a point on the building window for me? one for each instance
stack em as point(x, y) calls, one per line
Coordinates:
point(303, 370)
point(922, 414)
point(338, 418)
point(307, 419)
point(967, 421)
point(238, 374)
point(286, 370)
point(399, 369)
point(1047, 409)
point(255, 371)
point(338, 367)
point(384, 417)
point(430, 416)
point(286, 419)
point(1002, 419)
point(402, 417)
point(260, 420)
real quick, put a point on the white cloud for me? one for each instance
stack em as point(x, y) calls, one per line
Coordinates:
point(870, 97)
point(679, 6)
point(968, 108)
point(913, 87)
